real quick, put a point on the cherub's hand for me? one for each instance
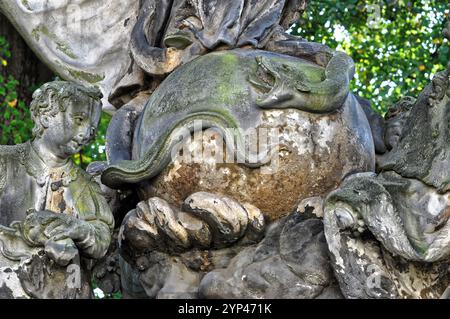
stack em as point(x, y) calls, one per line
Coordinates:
point(40, 226)
point(68, 227)
point(55, 232)
point(206, 221)
point(35, 224)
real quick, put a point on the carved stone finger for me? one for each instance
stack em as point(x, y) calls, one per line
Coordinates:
point(208, 221)
point(144, 213)
point(227, 219)
point(137, 236)
point(62, 251)
point(199, 232)
point(167, 222)
point(256, 223)
point(238, 212)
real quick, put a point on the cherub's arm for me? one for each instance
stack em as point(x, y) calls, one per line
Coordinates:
point(90, 230)
point(97, 222)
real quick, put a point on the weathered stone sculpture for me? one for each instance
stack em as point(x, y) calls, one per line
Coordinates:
point(85, 41)
point(235, 96)
point(170, 33)
point(254, 165)
point(290, 262)
point(389, 233)
point(197, 215)
point(55, 210)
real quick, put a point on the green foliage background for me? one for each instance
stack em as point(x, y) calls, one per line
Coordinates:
point(15, 119)
point(96, 150)
point(396, 44)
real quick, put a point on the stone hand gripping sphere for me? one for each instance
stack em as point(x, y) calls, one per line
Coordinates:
point(315, 130)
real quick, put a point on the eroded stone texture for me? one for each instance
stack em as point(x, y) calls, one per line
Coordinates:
point(170, 33)
point(83, 41)
point(316, 152)
point(56, 214)
point(291, 262)
point(423, 151)
point(388, 237)
point(106, 271)
point(27, 272)
point(319, 143)
point(388, 234)
point(167, 251)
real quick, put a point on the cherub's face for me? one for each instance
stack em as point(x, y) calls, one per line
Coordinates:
point(68, 132)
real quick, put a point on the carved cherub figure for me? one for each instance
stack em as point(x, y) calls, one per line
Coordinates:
point(48, 200)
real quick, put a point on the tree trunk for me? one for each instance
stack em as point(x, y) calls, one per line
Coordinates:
point(23, 65)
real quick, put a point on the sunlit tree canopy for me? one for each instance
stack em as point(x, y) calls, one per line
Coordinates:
point(396, 44)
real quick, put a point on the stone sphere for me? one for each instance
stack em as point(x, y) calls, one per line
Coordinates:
point(249, 91)
point(316, 152)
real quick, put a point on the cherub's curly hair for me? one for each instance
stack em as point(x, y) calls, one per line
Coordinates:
point(51, 98)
